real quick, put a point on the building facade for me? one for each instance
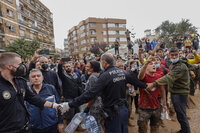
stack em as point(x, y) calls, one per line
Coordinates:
point(28, 19)
point(96, 30)
point(66, 48)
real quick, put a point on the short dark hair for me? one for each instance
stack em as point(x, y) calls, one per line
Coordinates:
point(107, 57)
point(174, 49)
point(95, 65)
point(7, 58)
point(160, 49)
point(157, 57)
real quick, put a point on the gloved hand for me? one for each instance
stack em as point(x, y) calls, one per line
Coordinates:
point(57, 106)
point(65, 107)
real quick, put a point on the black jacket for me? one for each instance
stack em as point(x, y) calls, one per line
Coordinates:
point(71, 85)
point(13, 112)
point(112, 87)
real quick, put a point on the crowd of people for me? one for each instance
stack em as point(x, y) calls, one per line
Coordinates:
point(108, 85)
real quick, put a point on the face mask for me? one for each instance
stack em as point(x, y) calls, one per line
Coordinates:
point(56, 64)
point(89, 73)
point(102, 67)
point(133, 67)
point(45, 66)
point(21, 70)
point(174, 60)
point(157, 65)
point(69, 70)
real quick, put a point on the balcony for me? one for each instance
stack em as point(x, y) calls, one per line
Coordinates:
point(28, 25)
point(31, 6)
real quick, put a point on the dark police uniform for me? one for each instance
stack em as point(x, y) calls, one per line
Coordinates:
point(13, 112)
point(112, 86)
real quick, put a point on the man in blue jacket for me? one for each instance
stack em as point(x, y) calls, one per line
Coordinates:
point(47, 119)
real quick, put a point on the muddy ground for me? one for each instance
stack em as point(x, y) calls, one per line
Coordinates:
point(172, 126)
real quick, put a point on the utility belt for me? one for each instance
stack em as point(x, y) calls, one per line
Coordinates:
point(24, 129)
point(108, 113)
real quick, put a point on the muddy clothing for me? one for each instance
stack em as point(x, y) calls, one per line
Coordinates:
point(144, 116)
point(180, 102)
point(149, 100)
point(178, 79)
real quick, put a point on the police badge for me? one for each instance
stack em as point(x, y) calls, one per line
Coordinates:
point(6, 95)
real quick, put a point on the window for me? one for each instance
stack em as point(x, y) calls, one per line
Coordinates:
point(31, 36)
point(82, 27)
point(10, 13)
point(116, 25)
point(83, 49)
point(12, 41)
point(117, 32)
point(75, 44)
point(76, 50)
point(111, 25)
point(20, 17)
point(123, 39)
point(10, 1)
point(22, 33)
point(37, 7)
point(82, 35)
point(11, 28)
point(122, 32)
point(31, 22)
point(122, 25)
point(111, 32)
point(75, 38)
point(104, 25)
point(74, 32)
point(92, 32)
point(17, 2)
point(114, 39)
point(104, 32)
point(83, 41)
point(105, 39)
point(91, 24)
point(117, 39)
point(93, 39)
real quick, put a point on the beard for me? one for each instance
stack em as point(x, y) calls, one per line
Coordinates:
point(69, 70)
point(13, 73)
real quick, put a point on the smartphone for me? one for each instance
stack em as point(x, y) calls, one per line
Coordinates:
point(44, 51)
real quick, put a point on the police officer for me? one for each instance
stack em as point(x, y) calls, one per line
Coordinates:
point(111, 85)
point(13, 92)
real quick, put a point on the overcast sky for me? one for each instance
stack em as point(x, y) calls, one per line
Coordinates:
point(140, 14)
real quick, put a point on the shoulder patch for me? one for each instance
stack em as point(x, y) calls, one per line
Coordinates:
point(6, 95)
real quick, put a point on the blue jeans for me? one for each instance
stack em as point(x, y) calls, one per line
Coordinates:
point(119, 122)
point(179, 102)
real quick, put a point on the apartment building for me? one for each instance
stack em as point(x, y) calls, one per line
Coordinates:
point(28, 19)
point(66, 48)
point(96, 30)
